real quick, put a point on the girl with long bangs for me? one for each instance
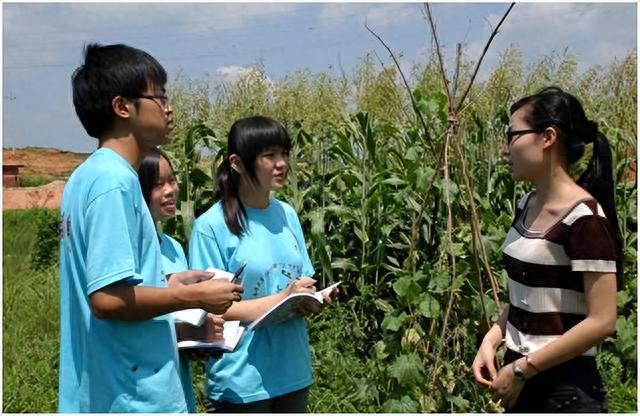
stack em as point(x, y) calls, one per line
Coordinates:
point(271, 369)
point(160, 191)
point(563, 257)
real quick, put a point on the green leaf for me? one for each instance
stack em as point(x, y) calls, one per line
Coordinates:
point(461, 404)
point(429, 306)
point(413, 153)
point(407, 369)
point(383, 305)
point(439, 282)
point(394, 180)
point(405, 405)
point(361, 235)
point(407, 289)
point(393, 323)
point(379, 350)
point(623, 298)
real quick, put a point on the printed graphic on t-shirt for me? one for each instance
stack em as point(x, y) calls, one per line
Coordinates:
point(65, 226)
point(276, 278)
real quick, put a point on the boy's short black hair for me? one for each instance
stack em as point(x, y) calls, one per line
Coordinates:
point(109, 71)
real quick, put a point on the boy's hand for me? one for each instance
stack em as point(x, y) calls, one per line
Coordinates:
point(217, 295)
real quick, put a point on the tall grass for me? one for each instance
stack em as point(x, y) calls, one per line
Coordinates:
point(30, 320)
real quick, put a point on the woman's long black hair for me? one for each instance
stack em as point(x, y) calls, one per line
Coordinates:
point(248, 137)
point(554, 107)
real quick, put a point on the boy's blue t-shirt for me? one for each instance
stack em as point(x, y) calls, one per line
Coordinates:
point(108, 236)
point(273, 360)
point(174, 261)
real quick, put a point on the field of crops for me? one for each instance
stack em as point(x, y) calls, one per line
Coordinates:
point(402, 202)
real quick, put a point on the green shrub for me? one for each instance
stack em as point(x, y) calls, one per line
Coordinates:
point(46, 244)
point(35, 180)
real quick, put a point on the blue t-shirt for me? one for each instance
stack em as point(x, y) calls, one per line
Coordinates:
point(174, 261)
point(108, 236)
point(273, 360)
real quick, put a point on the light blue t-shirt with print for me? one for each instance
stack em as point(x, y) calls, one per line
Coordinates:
point(276, 359)
point(174, 261)
point(108, 236)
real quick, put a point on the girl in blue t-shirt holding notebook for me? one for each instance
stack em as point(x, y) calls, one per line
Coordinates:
point(160, 191)
point(271, 369)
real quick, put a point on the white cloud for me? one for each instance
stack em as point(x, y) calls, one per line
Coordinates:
point(235, 72)
point(596, 33)
point(377, 15)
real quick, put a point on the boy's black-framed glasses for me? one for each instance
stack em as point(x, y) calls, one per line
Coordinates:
point(162, 100)
point(509, 134)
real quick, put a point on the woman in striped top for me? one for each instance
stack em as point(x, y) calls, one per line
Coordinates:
point(562, 257)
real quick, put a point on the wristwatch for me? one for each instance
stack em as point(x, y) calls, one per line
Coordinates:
point(518, 372)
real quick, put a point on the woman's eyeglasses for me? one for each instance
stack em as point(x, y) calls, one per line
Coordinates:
point(509, 134)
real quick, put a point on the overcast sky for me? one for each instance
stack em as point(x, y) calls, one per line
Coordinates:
point(42, 44)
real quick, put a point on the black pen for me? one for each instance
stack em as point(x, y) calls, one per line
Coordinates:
point(236, 276)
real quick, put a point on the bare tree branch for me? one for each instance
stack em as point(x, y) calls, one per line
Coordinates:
point(406, 84)
point(486, 47)
point(445, 81)
point(456, 77)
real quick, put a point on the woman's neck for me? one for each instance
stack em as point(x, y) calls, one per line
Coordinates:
point(554, 187)
point(252, 197)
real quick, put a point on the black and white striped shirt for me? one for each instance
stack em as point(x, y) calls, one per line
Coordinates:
point(545, 269)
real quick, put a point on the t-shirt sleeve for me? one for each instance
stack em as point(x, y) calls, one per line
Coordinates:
point(591, 245)
point(204, 251)
point(110, 222)
point(173, 257)
point(307, 266)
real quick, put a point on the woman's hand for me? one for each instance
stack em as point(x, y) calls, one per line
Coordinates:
point(210, 331)
point(483, 366)
point(328, 297)
point(188, 277)
point(304, 285)
point(301, 285)
point(507, 387)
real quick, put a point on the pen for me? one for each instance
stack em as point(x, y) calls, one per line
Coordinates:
point(236, 276)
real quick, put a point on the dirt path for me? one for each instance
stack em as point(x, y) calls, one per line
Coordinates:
point(45, 196)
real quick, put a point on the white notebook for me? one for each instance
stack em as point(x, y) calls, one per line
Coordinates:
point(197, 316)
point(232, 335)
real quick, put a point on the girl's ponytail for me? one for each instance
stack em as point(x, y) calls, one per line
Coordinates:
point(597, 179)
point(226, 190)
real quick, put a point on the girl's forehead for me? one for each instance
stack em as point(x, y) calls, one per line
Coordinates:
point(164, 166)
point(518, 115)
point(275, 147)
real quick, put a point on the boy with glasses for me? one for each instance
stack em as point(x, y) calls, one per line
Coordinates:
point(117, 343)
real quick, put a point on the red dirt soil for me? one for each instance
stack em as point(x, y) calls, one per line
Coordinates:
point(52, 163)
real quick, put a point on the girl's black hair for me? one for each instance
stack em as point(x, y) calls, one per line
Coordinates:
point(149, 170)
point(248, 137)
point(553, 107)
